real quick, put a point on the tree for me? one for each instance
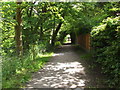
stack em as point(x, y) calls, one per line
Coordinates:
point(18, 30)
point(64, 10)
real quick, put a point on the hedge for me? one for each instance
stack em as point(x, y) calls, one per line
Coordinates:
point(105, 42)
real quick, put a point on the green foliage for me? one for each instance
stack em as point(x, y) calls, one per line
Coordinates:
point(80, 18)
point(7, 26)
point(106, 47)
point(39, 24)
point(16, 72)
point(58, 43)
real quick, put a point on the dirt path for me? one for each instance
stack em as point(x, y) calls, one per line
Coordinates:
point(65, 70)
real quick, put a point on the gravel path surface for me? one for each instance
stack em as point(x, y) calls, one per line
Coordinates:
point(64, 70)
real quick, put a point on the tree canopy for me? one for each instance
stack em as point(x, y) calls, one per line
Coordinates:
point(36, 27)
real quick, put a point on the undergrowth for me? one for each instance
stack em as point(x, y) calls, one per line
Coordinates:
point(16, 72)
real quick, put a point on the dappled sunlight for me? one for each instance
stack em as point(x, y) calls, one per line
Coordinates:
point(58, 54)
point(60, 75)
point(64, 70)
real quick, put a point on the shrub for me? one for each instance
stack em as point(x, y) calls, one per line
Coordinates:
point(58, 43)
point(105, 41)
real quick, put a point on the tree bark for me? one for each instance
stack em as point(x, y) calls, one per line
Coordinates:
point(18, 31)
point(62, 36)
point(55, 33)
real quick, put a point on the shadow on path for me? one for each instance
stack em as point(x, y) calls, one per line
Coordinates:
point(64, 70)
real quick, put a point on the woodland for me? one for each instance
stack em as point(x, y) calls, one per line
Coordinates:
point(30, 31)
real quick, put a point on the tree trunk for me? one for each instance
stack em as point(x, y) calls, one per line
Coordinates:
point(55, 33)
point(41, 32)
point(18, 31)
point(62, 36)
point(27, 41)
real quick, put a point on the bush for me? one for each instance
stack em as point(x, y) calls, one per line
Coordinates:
point(105, 42)
point(57, 44)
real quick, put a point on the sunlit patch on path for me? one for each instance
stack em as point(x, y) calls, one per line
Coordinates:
point(63, 71)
